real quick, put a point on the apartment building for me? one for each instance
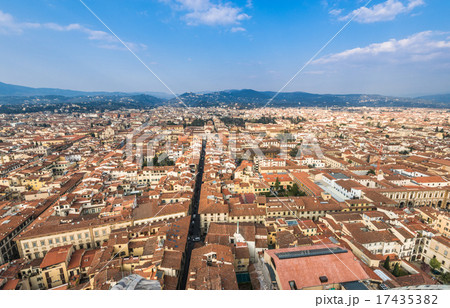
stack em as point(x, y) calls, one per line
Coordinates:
point(438, 247)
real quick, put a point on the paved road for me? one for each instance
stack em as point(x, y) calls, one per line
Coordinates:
point(194, 228)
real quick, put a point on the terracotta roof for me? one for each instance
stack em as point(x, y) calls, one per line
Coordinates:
point(56, 256)
point(305, 271)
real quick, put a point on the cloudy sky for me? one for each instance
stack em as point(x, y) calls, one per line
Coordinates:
point(391, 47)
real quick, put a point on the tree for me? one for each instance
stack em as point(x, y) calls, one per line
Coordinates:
point(293, 152)
point(277, 185)
point(446, 278)
point(396, 271)
point(162, 160)
point(386, 264)
point(434, 263)
point(295, 191)
point(198, 122)
point(371, 171)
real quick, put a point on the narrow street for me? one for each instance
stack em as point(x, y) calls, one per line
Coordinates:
point(194, 228)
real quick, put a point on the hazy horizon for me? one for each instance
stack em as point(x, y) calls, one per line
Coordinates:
point(391, 47)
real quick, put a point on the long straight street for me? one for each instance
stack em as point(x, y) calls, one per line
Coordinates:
point(194, 227)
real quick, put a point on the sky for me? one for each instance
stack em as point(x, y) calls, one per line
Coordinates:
point(388, 47)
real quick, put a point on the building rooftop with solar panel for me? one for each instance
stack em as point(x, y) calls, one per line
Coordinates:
point(315, 267)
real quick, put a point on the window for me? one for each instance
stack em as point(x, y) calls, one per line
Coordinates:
point(86, 235)
point(292, 285)
point(79, 236)
point(42, 243)
point(50, 242)
point(72, 237)
point(57, 240)
point(64, 238)
point(34, 244)
point(26, 246)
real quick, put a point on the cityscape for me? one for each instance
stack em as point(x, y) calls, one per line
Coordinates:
point(228, 146)
point(226, 199)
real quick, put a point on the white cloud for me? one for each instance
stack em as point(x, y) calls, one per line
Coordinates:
point(335, 12)
point(384, 11)
point(205, 12)
point(420, 47)
point(238, 29)
point(8, 25)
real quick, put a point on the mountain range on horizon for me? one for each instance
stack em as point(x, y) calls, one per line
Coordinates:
point(15, 94)
point(17, 90)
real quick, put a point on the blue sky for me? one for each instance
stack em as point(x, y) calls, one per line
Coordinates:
point(391, 47)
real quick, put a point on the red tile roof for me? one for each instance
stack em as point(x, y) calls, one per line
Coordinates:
point(305, 271)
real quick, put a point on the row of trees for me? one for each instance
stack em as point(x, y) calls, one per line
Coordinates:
point(293, 190)
point(157, 161)
point(397, 271)
point(434, 263)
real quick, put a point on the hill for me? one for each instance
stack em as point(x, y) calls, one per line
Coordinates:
point(439, 98)
point(15, 90)
point(246, 98)
point(253, 99)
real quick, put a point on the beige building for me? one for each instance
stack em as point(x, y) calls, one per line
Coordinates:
point(442, 224)
point(438, 247)
point(54, 266)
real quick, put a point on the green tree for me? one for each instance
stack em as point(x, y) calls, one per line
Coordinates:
point(293, 152)
point(446, 278)
point(396, 271)
point(277, 185)
point(295, 191)
point(371, 171)
point(434, 263)
point(198, 122)
point(386, 264)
